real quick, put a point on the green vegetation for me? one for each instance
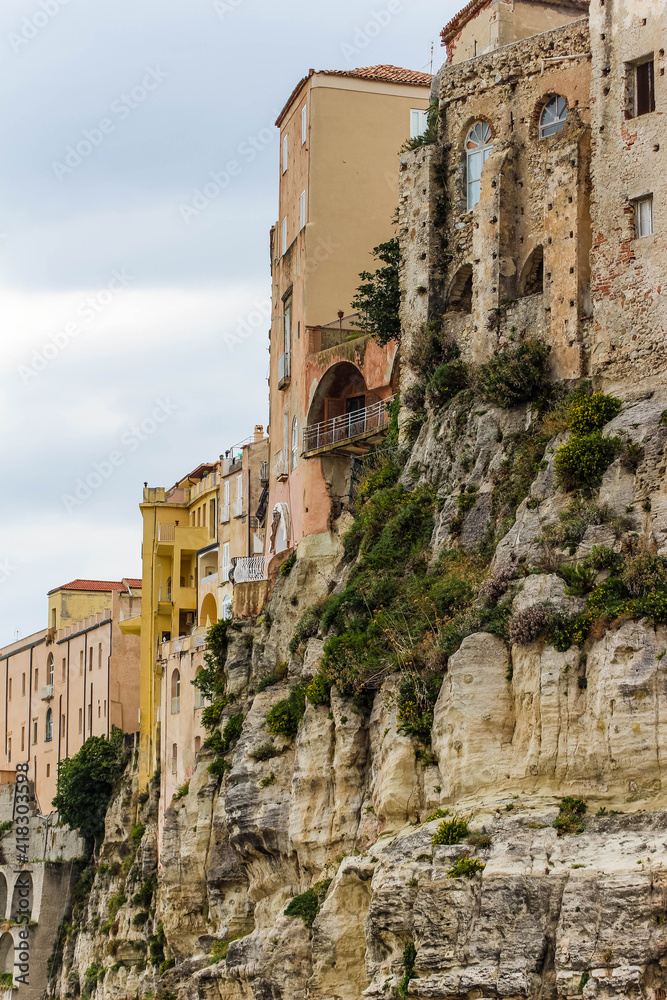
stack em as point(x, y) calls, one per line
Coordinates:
point(288, 565)
point(269, 780)
point(168, 964)
point(466, 868)
point(210, 681)
point(451, 831)
point(378, 297)
point(156, 946)
point(94, 974)
point(307, 904)
point(6, 980)
point(144, 896)
point(115, 903)
point(591, 413)
point(480, 840)
point(409, 959)
point(86, 783)
point(570, 818)
point(585, 976)
point(307, 627)
point(446, 382)
point(277, 675)
point(181, 791)
point(136, 833)
point(430, 136)
point(266, 752)
point(5, 825)
point(139, 919)
point(581, 463)
point(519, 375)
point(285, 717)
point(219, 949)
point(318, 691)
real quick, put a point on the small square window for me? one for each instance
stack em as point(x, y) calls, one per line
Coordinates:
point(644, 216)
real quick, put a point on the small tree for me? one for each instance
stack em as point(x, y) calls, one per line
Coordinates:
point(86, 782)
point(378, 297)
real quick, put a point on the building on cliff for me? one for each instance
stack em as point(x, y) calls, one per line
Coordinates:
point(77, 678)
point(200, 537)
point(340, 134)
point(532, 214)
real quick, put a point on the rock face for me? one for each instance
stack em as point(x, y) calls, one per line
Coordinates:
point(346, 809)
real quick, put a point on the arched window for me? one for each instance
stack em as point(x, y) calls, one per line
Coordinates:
point(175, 692)
point(197, 744)
point(7, 955)
point(226, 608)
point(295, 441)
point(532, 276)
point(460, 292)
point(48, 728)
point(49, 669)
point(553, 117)
point(478, 150)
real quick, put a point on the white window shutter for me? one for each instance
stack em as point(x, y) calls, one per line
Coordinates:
point(304, 124)
point(303, 209)
point(284, 153)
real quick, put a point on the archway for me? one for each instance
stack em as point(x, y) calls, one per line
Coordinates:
point(22, 897)
point(337, 388)
point(3, 896)
point(532, 275)
point(209, 611)
point(460, 291)
point(7, 957)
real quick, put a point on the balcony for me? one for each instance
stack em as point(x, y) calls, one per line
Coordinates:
point(47, 692)
point(248, 569)
point(224, 513)
point(211, 578)
point(166, 532)
point(264, 472)
point(281, 466)
point(284, 370)
point(350, 429)
point(238, 507)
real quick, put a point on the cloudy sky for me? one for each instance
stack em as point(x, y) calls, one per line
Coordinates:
point(130, 325)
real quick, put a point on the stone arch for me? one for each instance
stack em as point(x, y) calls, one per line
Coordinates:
point(460, 290)
point(6, 954)
point(22, 895)
point(209, 611)
point(342, 382)
point(532, 274)
point(3, 896)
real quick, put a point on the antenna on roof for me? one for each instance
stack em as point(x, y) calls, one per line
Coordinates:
point(431, 58)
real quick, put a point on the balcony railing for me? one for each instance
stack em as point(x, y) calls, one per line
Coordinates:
point(347, 427)
point(248, 569)
point(211, 578)
point(284, 370)
point(238, 507)
point(224, 513)
point(264, 472)
point(166, 532)
point(281, 466)
point(47, 692)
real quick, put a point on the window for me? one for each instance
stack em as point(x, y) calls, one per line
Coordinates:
point(304, 124)
point(9, 750)
point(174, 758)
point(643, 85)
point(36, 680)
point(9, 694)
point(80, 719)
point(34, 730)
point(644, 216)
point(197, 744)
point(99, 657)
point(226, 608)
point(48, 728)
point(287, 328)
point(553, 117)
point(62, 727)
point(105, 708)
point(99, 709)
point(175, 692)
point(22, 739)
point(64, 670)
point(23, 687)
point(284, 236)
point(81, 663)
point(303, 210)
point(90, 659)
point(90, 718)
point(48, 770)
point(478, 150)
point(418, 123)
point(53, 617)
point(284, 154)
point(295, 441)
point(49, 669)
point(225, 562)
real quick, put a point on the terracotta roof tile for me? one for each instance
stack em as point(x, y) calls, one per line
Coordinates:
point(469, 11)
point(101, 586)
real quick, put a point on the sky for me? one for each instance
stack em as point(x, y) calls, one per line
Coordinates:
point(134, 312)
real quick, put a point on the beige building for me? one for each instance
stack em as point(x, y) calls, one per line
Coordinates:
point(77, 679)
point(340, 135)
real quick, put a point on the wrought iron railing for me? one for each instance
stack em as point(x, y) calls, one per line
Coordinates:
point(348, 426)
point(248, 569)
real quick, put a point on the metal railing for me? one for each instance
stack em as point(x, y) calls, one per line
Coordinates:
point(166, 532)
point(264, 472)
point(348, 426)
point(284, 367)
point(247, 569)
point(238, 507)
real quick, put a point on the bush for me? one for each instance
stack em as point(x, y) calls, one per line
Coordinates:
point(288, 565)
point(580, 579)
point(285, 717)
point(516, 376)
point(591, 413)
point(530, 624)
point(267, 751)
point(307, 905)
point(169, 964)
point(94, 974)
point(570, 816)
point(219, 949)
point(211, 714)
point(307, 628)
point(581, 463)
point(137, 832)
point(416, 704)
point(446, 381)
point(645, 574)
point(378, 297)
point(318, 691)
point(466, 868)
point(86, 783)
point(277, 675)
point(451, 831)
point(181, 791)
point(496, 586)
point(219, 768)
point(115, 902)
point(480, 840)
point(139, 919)
point(144, 896)
point(409, 959)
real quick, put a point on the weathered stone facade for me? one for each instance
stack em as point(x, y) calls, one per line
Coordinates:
point(517, 264)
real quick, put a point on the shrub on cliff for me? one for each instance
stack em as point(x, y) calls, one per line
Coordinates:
point(530, 624)
point(86, 783)
point(591, 413)
point(210, 680)
point(581, 463)
point(518, 375)
point(451, 831)
point(285, 717)
point(570, 817)
point(307, 904)
point(448, 379)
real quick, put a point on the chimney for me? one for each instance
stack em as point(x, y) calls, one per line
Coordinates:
point(259, 433)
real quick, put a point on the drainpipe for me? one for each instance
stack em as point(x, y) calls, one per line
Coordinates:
point(109, 670)
point(67, 707)
point(85, 668)
point(30, 706)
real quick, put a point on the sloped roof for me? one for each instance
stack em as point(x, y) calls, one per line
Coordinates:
point(101, 586)
point(384, 73)
point(472, 8)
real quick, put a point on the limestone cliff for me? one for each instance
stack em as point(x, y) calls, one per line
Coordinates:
point(523, 734)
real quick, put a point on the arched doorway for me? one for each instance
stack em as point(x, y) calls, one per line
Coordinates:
point(6, 960)
point(339, 388)
point(22, 897)
point(209, 611)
